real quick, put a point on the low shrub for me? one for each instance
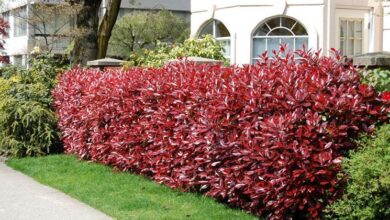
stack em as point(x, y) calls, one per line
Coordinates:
point(377, 78)
point(368, 192)
point(206, 47)
point(28, 125)
point(268, 138)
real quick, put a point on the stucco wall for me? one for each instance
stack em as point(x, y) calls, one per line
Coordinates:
point(320, 18)
point(243, 18)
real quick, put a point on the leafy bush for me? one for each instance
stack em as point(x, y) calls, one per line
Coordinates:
point(206, 47)
point(27, 122)
point(368, 191)
point(267, 138)
point(377, 78)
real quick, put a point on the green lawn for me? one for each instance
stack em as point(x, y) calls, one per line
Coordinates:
point(121, 195)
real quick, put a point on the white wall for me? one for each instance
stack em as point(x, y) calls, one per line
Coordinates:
point(320, 17)
point(16, 45)
point(358, 14)
point(243, 17)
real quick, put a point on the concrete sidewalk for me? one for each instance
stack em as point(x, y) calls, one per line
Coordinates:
point(22, 198)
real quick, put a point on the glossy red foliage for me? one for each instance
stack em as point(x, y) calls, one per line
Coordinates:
point(268, 138)
point(3, 33)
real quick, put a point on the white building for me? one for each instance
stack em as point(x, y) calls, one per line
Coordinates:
point(249, 27)
point(23, 37)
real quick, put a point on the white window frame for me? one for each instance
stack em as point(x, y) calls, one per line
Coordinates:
point(347, 37)
point(220, 39)
point(266, 37)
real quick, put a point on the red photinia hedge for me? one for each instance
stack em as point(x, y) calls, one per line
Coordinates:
point(267, 138)
point(3, 33)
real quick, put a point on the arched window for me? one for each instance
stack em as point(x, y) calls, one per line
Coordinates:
point(276, 31)
point(220, 33)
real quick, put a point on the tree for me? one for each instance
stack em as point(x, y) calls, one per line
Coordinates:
point(92, 41)
point(87, 22)
point(3, 32)
point(51, 23)
point(144, 29)
point(106, 26)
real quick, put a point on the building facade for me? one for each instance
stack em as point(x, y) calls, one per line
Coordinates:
point(247, 28)
point(24, 36)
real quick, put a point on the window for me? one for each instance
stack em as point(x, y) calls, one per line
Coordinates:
point(52, 21)
point(18, 60)
point(351, 36)
point(220, 33)
point(281, 30)
point(20, 22)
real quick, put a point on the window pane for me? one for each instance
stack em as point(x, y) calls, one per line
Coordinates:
point(289, 42)
point(226, 47)
point(342, 46)
point(299, 42)
point(288, 22)
point(262, 31)
point(18, 60)
point(273, 44)
point(221, 30)
point(258, 47)
point(359, 29)
point(280, 32)
point(299, 30)
point(350, 48)
point(208, 29)
point(358, 47)
point(20, 22)
point(343, 28)
point(273, 23)
point(351, 29)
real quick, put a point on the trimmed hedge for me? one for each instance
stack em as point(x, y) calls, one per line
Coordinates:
point(268, 138)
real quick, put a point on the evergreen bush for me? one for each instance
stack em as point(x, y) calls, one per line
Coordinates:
point(27, 122)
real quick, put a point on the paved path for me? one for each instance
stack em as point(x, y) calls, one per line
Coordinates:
point(21, 198)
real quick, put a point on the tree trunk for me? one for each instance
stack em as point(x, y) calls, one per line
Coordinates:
point(106, 27)
point(85, 46)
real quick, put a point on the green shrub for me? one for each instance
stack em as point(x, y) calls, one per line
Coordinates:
point(377, 78)
point(27, 122)
point(206, 47)
point(368, 192)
